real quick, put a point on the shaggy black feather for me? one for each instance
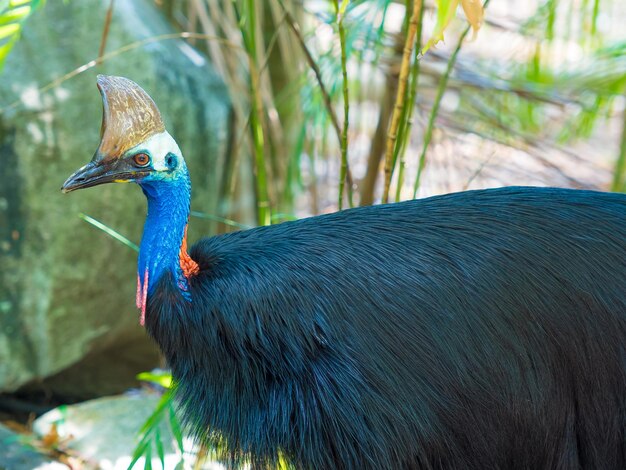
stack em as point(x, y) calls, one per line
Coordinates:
point(477, 330)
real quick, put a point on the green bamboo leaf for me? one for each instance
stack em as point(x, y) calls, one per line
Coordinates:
point(15, 15)
point(159, 447)
point(283, 217)
point(163, 379)
point(443, 84)
point(176, 431)
point(140, 451)
point(342, 7)
point(551, 5)
point(232, 223)
point(619, 172)
point(17, 3)
point(594, 17)
point(148, 462)
point(4, 51)
point(445, 13)
point(157, 415)
point(9, 30)
point(109, 231)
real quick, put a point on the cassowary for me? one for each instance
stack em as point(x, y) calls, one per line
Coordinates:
point(477, 330)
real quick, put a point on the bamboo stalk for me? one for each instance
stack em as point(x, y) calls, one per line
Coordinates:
point(443, 83)
point(105, 32)
point(402, 80)
point(379, 140)
point(594, 17)
point(293, 25)
point(377, 146)
point(217, 58)
point(109, 231)
point(274, 152)
point(122, 50)
point(408, 122)
point(346, 105)
point(256, 119)
point(192, 20)
point(619, 174)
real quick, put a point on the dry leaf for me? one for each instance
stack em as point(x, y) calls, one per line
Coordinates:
point(51, 439)
point(475, 13)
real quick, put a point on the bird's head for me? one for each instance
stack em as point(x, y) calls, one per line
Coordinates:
point(134, 145)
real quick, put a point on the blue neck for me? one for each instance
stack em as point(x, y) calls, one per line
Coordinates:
point(168, 213)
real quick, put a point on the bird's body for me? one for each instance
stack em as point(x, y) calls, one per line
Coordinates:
point(483, 329)
point(455, 332)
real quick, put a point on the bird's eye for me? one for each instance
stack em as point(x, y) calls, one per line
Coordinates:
point(141, 159)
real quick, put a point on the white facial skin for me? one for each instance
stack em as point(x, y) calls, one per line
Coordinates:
point(159, 147)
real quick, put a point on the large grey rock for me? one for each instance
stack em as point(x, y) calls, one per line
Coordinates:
point(67, 289)
point(16, 455)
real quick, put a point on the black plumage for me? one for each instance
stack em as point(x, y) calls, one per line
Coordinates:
point(483, 329)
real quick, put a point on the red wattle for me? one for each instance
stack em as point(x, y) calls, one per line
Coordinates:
point(141, 298)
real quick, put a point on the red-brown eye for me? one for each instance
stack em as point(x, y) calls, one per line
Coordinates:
point(141, 159)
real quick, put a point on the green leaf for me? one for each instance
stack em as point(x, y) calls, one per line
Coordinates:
point(109, 231)
point(4, 51)
point(140, 451)
point(232, 223)
point(15, 15)
point(163, 379)
point(148, 462)
point(342, 7)
point(9, 30)
point(159, 446)
point(445, 13)
point(175, 425)
point(17, 3)
point(157, 415)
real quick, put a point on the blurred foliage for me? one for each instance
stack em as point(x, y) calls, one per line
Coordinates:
point(305, 75)
point(308, 78)
point(13, 13)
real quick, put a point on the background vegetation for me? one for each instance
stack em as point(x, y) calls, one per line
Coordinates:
point(314, 87)
point(338, 104)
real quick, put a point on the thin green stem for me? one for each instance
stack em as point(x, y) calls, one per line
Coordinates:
point(293, 25)
point(443, 84)
point(217, 218)
point(340, 11)
point(594, 18)
point(619, 174)
point(400, 102)
point(249, 33)
point(109, 55)
point(407, 123)
point(109, 231)
point(105, 30)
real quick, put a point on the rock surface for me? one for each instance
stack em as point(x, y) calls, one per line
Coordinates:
point(67, 289)
point(15, 455)
point(103, 433)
